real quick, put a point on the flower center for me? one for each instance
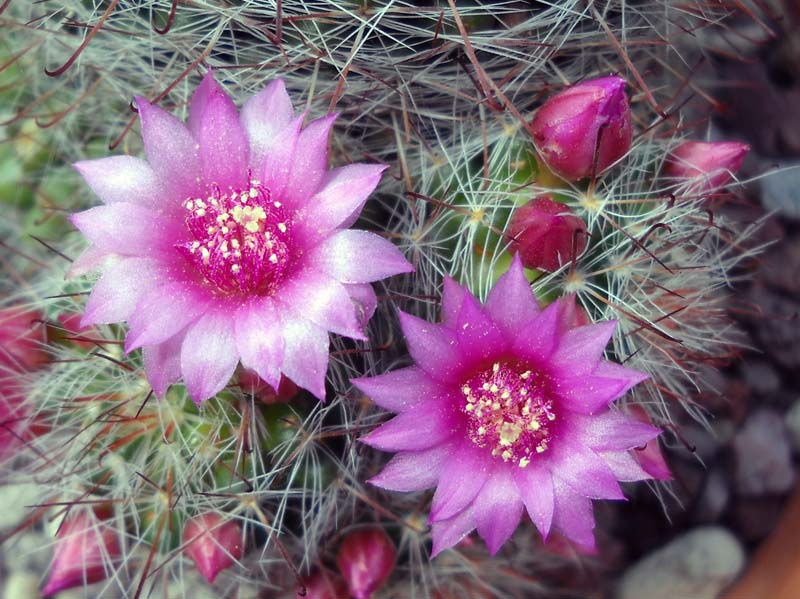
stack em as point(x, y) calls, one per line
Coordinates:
point(509, 410)
point(240, 239)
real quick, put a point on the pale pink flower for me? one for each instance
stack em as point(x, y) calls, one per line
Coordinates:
point(230, 242)
point(507, 407)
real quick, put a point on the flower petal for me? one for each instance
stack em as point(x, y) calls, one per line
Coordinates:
point(434, 348)
point(610, 430)
point(305, 358)
point(278, 157)
point(461, 479)
point(616, 371)
point(511, 303)
point(123, 179)
point(497, 509)
point(358, 257)
point(208, 355)
point(91, 259)
point(116, 294)
point(453, 296)
point(263, 116)
point(412, 470)
point(171, 151)
point(447, 533)
point(259, 341)
point(322, 300)
point(364, 301)
point(214, 123)
point(478, 336)
point(341, 197)
point(589, 394)
point(310, 162)
point(535, 485)
point(583, 470)
point(624, 466)
point(162, 363)
point(574, 516)
point(580, 350)
point(536, 340)
point(414, 430)
point(127, 229)
point(399, 390)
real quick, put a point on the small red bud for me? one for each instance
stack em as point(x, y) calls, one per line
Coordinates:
point(250, 382)
point(713, 164)
point(213, 543)
point(322, 586)
point(566, 128)
point(543, 232)
point(22, 346)
point(366, 559)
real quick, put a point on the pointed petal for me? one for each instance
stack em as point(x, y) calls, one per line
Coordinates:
point(624, 466)
point(423, 428)
point(305, 359)
point(478, 336)
point(497, 509)
point(462, 478)
point(279, 156)
point(452, 297)
point(119, 290)
point(123, 179)
point(358, 257)
point(214, 123)
point(208, 355)
point(413, 470)
point(342, 194)
point(171, 151)
point(162, 313)
point(321, 299)
point(364, 301)
point(589, 394)
point(310, 162)
point(399, 390)
point(162, 363)
point(511, 302)
point(447, 533)
point(535, 485)
point(574, 516)
point(259, 341)
point(434, 348)
point(537, 339)
point(263, 117)
point(610, 430)
point(90, 260)
point(580, 350)
point(616, 371)
point(583, 471)
point(127, 229)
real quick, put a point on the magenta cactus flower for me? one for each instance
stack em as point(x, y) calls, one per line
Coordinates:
point(507, 406)
point(366, 560)
point(544, 232)
point(230, 243)
point(85, 551)
point(567, 127)
point(712, 164)
point(213, 543)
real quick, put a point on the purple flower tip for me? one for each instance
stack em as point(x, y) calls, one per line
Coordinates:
point(507, 407)
point(230, 243)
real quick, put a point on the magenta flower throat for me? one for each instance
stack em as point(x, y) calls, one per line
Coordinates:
point(507, 407)
point(230, 243)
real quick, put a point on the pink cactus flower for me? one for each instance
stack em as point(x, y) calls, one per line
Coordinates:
point(544, 232)
point(230, 243)
point(507, 407)
point(709, 164)
point(85, 552)
point(366, 559)
point(213, 543)
point(566, 128)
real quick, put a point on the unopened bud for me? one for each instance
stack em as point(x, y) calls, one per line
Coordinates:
point(321, 585)
point(22, 343)
point(366, 559)
point(712, 164)
point(213, 543)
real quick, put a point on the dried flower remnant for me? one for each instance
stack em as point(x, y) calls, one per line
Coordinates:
point(212, 543)
point(85, 551)
point(366, 559)
point(584, 129)
point(708, 165)
point(229, 242)
point(546, 233)
point(507, 406)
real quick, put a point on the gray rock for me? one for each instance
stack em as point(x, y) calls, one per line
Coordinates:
point(779, 333)
point(16, 501)
point(761, 376)
point(763, 455)
point(792, 421)
point(21, 585)
point(714, 498)
point(780, 190)
point(698, 564)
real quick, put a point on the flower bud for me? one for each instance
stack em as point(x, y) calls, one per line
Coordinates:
point(213, 544)
point(22, 345)
point(544, 232)
point(321, 586)
point(566, 128)
point(366, 559)
point(713, 164)
point(251, 383)
point(650, 457)
point(85, 550)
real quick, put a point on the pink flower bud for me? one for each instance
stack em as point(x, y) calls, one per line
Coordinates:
point(213, 544)
point(650, 457)
point(250, 382)
point(713, 164)
point(321, 586)
point(85, 550)
point(566, 128)
point(22, 343)
point(365, 560)
point(543, 232)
